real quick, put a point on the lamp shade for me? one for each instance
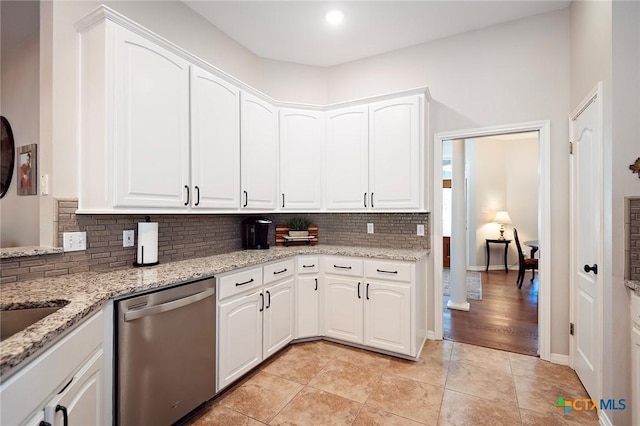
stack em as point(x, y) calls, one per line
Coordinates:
point(502, 217)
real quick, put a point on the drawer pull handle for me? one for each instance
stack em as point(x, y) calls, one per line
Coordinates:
point(342, 267)
point(246, 282)
point(309, 266)
point(386, 272)
point(279, 272)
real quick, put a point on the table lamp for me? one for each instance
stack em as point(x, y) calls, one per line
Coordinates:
point(502, 217)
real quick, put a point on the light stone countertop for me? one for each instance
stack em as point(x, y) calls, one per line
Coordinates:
point(633, 285)
point(11, 252)
point(84, 293)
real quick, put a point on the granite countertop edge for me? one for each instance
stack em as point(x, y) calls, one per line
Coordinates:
point(13, 252)
point(633, 285)
point(81, 294)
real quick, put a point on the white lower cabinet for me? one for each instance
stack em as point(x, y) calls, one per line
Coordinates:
point(239, 337)
point(256, 323)
point(308, 290)
point(635, 377)
point(343, 308)
point(387, 316)
point(67, 377)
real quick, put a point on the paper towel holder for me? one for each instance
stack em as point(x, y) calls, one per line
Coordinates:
point(136, 264)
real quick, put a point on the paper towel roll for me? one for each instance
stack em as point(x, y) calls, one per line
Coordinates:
point(147, 243)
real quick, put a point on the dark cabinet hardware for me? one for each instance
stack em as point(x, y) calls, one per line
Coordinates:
point(359, 291)
point(386, 272)
point(367, 291)
point(283, 200)
point(342, 267)
point(246, 198)
point(261, 302)
point(593, 269)
point(279, 272)
point(365, 199)
point(43, 423)
point(309, 266)
point(372, 200)
point(316, 289)
point(65, 416)
point(197, 195)
point(246, 282)
point(187, 188)
point(268, 299)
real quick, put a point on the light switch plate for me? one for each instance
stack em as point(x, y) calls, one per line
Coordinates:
point(74, 241)
point(369, 228)
point(420, 230)
point(128, 237)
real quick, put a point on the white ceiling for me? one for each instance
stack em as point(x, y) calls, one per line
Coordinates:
point(295, 31)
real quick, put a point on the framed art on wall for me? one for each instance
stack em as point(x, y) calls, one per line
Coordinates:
point(27, 169)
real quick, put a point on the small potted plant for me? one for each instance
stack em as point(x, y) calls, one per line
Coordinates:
point(298, 226)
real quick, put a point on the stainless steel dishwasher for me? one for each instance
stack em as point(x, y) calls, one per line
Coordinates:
point(166, 353)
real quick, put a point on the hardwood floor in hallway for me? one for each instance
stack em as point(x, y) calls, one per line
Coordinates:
point(506, 318)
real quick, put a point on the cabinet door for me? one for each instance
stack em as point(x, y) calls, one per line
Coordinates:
point(83, 399)
point(387, 316)
point(394, 153)
point(240, 337)
point(343, 308)
point(151, 104)
point(259, 153)
point(346, 167)
point(278, 321)
point(635, 378)
point(308, 307)
point(301, 147)
point(215, 142)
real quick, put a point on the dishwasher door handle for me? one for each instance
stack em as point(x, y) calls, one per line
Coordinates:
point(169, 306)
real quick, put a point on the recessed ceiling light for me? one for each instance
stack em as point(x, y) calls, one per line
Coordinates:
point(334, 17)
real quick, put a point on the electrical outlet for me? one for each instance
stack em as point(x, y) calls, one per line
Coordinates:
point(74, 241)
point(369, 228)
point(420, 230)
point(127, 238)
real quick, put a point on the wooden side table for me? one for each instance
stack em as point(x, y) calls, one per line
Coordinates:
point(506, 250)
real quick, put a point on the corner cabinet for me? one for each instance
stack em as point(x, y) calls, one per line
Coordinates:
point(259, 153)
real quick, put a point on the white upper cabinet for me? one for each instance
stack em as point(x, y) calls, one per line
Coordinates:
point(394, 154)
point(215, 142)
point(259, 153)
point(346, 166)
point(301, 146)
point(151, 125)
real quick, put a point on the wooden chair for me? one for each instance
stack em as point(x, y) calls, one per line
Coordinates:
point(523, 262)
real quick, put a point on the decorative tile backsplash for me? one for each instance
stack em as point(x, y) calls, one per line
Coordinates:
point(633, 239)
point(190, 236)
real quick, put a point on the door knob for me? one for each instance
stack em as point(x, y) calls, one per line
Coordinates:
point(593, 269)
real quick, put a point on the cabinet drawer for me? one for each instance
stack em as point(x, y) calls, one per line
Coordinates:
point(385, 270)
point(308, 265)
point(337, 265)
point(277, 271)
point(635, 309)
point(238, 282)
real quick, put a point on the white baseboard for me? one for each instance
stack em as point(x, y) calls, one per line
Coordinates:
point(604, 419)
point(459, 306)
point(559, 359)
point(431, 335)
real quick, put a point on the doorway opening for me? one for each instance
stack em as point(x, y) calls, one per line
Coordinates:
point(500, 196)
point(499, 176)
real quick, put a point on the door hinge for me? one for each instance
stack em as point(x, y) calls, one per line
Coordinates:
point(570, 147)
point(571, 329)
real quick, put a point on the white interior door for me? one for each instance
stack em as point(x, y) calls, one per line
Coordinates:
point(586, 230)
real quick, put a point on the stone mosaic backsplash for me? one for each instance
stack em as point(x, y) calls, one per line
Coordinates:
point(633, 238)
point(191, 236)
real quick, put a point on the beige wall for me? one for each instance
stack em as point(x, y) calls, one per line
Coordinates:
point(19, 215)
point(508, 73)
point(502, 175)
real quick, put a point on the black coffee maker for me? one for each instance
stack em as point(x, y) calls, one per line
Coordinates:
point(255, 233)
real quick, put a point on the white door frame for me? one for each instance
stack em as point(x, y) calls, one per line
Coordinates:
point(544, 221)
point(594, 96)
